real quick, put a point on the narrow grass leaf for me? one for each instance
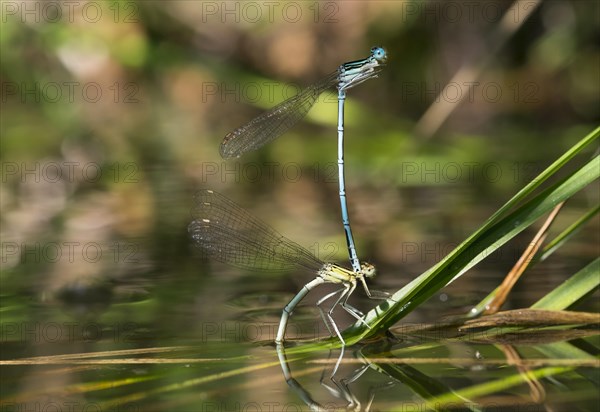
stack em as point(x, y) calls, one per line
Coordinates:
point(573, 289)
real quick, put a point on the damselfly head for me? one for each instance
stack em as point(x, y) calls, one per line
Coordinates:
point(367, 269)
point(379, 54)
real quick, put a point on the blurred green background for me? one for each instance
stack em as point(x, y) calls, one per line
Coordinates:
point(113, 112)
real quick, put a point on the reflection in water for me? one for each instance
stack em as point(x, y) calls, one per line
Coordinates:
point(294, 384)
point(339, 387)
point(436, 373)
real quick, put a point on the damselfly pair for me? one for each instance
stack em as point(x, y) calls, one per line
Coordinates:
point(233, 236)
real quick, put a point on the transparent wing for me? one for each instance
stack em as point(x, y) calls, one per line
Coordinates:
point(231, 235)
point(273, 123)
